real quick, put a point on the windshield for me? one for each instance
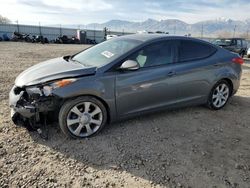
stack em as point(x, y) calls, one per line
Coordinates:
point(105, 52)
point(222, 42)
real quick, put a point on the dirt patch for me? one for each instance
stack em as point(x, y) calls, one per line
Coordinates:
point(191, 147)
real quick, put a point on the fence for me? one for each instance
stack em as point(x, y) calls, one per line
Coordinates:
point(99, 35)
point(49, 32)
point(53, 32)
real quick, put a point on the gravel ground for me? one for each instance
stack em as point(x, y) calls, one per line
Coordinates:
point(190, 147)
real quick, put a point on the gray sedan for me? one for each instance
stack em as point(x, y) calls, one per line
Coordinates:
point(124, 77)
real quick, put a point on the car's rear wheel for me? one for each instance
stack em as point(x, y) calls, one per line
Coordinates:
point(82, 117)
point(219, 95)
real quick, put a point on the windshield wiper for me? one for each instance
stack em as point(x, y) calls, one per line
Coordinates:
point(74, 60)
point(66, 58)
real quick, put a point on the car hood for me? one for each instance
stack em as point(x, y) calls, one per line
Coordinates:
point(51, 70)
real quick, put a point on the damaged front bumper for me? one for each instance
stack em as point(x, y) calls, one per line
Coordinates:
point(28, 107)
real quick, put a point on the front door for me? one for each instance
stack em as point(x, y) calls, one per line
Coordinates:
point(151, 86)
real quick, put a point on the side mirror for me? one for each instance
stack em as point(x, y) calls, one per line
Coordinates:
point(130, 65)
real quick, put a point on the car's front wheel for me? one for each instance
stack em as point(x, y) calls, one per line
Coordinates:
point(82, 117)
point(219, 95)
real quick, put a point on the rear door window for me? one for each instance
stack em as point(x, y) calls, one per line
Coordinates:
point(192, 50)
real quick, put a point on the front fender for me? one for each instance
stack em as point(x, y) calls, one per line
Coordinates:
point(100, 87)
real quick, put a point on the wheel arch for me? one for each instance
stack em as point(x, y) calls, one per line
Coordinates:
point(96, 97)
point(230, 76)
point(230, 82)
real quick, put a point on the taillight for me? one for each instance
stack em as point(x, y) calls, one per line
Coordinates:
point(238, 60)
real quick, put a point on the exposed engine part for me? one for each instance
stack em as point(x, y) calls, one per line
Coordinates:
point(31, 107)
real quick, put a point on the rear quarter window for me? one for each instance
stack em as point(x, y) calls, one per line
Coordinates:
point(192, 50)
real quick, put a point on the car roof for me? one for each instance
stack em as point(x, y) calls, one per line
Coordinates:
point(152, 37)
point(143, 37)
point(149, 37)
point(231, 38)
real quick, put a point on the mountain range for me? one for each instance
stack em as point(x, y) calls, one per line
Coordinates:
point(174, 26)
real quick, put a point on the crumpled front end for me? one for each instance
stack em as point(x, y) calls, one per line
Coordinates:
point(30, 106)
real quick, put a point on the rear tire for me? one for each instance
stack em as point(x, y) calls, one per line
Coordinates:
point(82, 117)
point(219, 95)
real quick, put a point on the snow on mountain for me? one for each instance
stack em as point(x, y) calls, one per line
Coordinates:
point(210, 27)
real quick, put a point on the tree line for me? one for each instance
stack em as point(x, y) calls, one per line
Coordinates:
point(4, 20)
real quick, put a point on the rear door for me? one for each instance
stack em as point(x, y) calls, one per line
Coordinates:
point(194, 70)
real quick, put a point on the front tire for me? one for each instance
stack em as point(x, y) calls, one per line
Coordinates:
point(219, 95)
point(82, 117)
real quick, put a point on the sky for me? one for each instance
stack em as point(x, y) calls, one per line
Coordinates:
point(99, 11)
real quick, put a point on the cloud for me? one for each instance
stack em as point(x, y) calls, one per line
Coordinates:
point(44, 7)
point(87, 11)
point(87, 5)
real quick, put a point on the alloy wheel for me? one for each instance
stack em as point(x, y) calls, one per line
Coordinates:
point(84, 119)
point(220, 95)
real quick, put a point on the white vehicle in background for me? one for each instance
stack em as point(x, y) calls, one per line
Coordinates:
point(143, 32)
point(248, 53)
point(108, 37)
point(151, 32)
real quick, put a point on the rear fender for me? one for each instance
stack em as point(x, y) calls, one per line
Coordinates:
point(228, 73)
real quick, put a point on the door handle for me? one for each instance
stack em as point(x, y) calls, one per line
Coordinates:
point(171, 73)
point(217, 64)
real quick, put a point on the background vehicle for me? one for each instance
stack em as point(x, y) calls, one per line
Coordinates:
point(124, 77)
point(39, 39)
point(108, 37)
point(161, 32)
point(237, 45)
point(5, 37)
point(19, 37)
point(66, 40)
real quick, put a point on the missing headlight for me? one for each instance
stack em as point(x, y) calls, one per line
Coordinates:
point(34, 90)
point(17, 90)
point(47, 90)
